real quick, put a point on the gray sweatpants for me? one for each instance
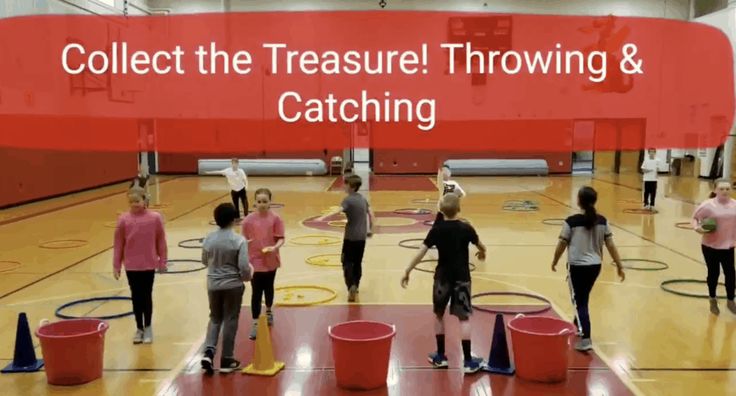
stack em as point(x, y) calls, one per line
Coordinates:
point(224, 313)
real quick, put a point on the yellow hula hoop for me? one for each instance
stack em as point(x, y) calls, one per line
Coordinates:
point(337, 223)
point(325, 240)
point(9, 265)
point(322, 260)
point(332, 296)
point(63, 244)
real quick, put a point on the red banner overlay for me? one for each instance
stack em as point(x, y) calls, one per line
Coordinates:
point(301, 81)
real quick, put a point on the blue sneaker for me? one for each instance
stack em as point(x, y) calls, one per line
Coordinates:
point(437, 360)
point(473, 365)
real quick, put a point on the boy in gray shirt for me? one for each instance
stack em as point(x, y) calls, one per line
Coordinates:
point(225, 254)
point(359, 227)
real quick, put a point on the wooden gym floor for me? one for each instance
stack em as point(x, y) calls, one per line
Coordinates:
point(655, 342)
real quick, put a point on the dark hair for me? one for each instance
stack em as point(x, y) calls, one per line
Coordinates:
point(225, 215)
point(354, 181)
point(715, 184)
point(263, 191)
point(587, 198)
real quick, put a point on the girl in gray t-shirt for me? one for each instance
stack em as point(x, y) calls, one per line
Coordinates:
point(583, 235)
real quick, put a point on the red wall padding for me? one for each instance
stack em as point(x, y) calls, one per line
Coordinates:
point(29, 175)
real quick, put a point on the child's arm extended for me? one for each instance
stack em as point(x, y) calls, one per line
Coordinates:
point(216, 172)
point(616, 258)
point(414, 263)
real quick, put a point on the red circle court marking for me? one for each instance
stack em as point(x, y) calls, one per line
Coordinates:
point(63, 244)
point(328, 223)
point(9, 265)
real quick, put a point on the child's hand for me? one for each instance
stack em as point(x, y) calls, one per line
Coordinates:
point(554, 267)
point(621, 274)
point(481, 255)
point(370, 233)
point(163, 269)
point(268, 249)
point(405, 280)
point(116, 274)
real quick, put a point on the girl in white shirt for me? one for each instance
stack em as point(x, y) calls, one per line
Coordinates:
point(650, 168)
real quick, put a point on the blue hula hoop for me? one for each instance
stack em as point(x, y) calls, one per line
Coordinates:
point(88, 300)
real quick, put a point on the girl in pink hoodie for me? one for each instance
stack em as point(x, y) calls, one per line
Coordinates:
point(140, 246)
point(718, 245)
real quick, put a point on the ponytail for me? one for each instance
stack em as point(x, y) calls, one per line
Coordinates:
point(587, 198)
point(712, 194)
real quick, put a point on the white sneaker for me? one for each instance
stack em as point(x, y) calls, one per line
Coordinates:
point(584, 345)
point(138, 337)
point(148, 335)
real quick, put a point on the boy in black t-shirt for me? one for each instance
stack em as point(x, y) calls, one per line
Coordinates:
point(451, 278)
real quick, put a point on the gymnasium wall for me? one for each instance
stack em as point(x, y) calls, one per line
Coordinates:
point(29, 174)
point(263, 140)
point(675, 9)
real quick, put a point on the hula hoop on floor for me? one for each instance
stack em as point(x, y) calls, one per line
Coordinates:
point(187, 243)
point(63, 244)
point(413, 211)
point(661, 265)
point(9, 265)
point(322, 240)
point(322, 260)
point(61, 315)
point(629, 201)
point(665, 286)
point(405, 243)
point(684, 225)
point(513, 312)
point(553, 222)
point(425, 201)
point(332, 295)
point(640, 211)
point(184, 271)
point(418, 268)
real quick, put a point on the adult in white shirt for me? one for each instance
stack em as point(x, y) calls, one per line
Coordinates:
point(238, 181)
point(650, 169)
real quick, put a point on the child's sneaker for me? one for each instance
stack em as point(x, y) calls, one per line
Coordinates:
point(229, 365)
point(253, 330)
point(584, 345)
point(138, 337)
point(148, 335)
point(731, 304)
point(269, 317)
point(437, 360)
point(714, 307)
point(473, 365)
point(207, 362)
point(352, 293)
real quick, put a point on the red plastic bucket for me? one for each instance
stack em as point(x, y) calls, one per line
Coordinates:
point(362, 350)
point(73, 350)
point(541, 346)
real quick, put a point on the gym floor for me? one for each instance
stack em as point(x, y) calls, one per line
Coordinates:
point(646, 341)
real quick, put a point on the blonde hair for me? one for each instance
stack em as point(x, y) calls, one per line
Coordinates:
point(137, 192)
point(450, 205)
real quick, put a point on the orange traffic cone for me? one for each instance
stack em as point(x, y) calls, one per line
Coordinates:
point(263, 360)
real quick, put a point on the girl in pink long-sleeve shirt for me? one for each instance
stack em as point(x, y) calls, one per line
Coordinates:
point(140, 246)
point(718, 245)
